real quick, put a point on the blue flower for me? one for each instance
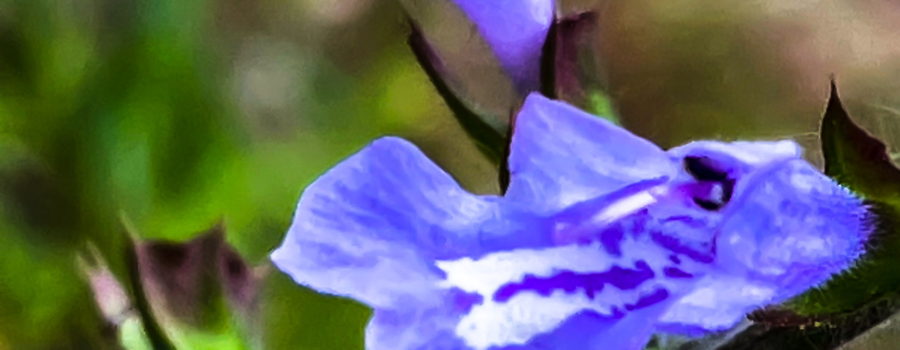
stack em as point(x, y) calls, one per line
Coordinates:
point(515, 31)
point(601, 240)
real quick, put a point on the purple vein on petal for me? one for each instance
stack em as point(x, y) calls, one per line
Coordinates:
point(656, 296)
point(674, 272)
point(673, 244)
point(570, 282)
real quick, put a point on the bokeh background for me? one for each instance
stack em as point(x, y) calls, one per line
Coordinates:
point(180, 114)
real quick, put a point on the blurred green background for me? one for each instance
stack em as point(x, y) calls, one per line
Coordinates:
point(183, 113)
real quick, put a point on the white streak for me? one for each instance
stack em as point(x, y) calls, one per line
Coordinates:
point(521, 318)
point(484, 276)
point(625, 206)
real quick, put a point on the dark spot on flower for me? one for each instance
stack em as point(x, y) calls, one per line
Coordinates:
point(719, 186)
point(727, 190)
point(704, 169)
point(708, 204)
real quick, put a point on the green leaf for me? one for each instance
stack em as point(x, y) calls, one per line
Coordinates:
point(855, 158)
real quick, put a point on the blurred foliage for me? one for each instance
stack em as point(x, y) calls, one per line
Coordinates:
point(182, 113)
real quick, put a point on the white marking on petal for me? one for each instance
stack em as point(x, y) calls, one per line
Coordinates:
point(488, 273)
point(629, 205)
point(527, 314)
point(521, 318)
point(492, 271)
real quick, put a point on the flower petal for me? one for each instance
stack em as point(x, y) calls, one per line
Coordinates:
point(561, 155)
point(370, 227)
point(600, 234)
point(630, 272)
point(515, 30)
point(788, 228)
point(741, 155)
point(791, 225)
point(718, 303)
point(418, 326)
